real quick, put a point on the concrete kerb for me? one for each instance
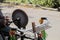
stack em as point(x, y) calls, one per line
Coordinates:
point(34, 6)
point(46, 8)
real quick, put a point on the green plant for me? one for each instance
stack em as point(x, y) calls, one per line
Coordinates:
point(47, 3)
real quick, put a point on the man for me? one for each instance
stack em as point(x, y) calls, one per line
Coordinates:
point(44, 22)
point(5, 25)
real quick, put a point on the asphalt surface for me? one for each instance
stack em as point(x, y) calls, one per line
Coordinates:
point(34, 14)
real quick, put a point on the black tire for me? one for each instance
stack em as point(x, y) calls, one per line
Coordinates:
point(23, 18)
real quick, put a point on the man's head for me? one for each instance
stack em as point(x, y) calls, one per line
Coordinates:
point(42, 20)
point(6, 21)
point(7, 18)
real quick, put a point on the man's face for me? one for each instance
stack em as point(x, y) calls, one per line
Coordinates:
point(6, 20)
point(41, 21)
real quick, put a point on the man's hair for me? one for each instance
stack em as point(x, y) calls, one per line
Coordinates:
point(44, 18)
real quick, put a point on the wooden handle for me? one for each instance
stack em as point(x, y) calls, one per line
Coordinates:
point(33, 27)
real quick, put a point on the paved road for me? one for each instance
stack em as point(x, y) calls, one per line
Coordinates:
point(34, 14)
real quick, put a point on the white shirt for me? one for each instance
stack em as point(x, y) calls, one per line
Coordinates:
point(41, 27)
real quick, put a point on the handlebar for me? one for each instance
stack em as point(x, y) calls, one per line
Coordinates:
point(18, 19)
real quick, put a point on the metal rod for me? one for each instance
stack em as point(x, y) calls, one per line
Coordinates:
point(34, 30)
point(22, 37)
